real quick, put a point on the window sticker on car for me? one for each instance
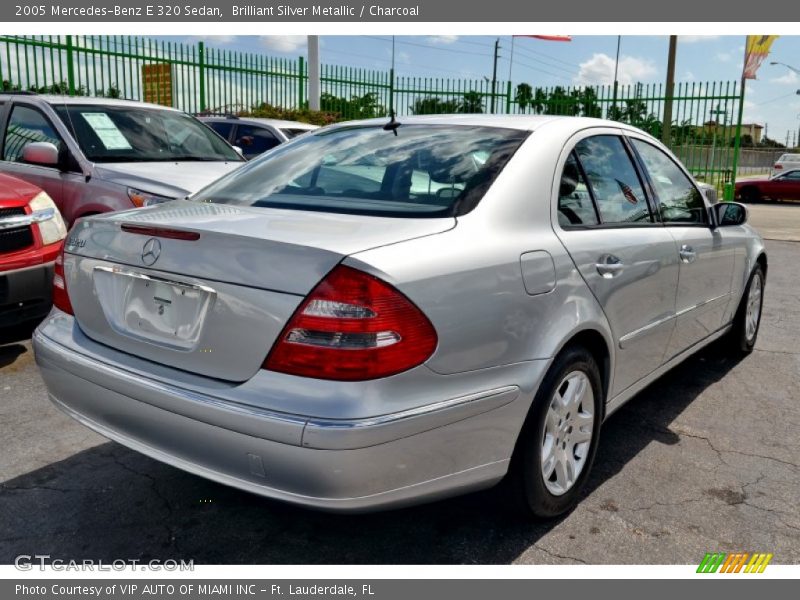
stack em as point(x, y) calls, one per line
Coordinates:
point(109, 134)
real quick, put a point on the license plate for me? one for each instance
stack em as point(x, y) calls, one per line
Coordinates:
point(152, 309)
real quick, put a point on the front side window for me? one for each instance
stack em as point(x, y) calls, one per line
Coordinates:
point(422, 171)
point(617, 190)
point(26, 125)
point(136, 134)
point(223, 128)
point(679, 199)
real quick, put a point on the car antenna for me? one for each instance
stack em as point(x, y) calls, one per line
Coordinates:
point(392, 125)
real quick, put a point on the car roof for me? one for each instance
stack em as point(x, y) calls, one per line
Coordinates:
point(92, 100)
point(279, 123)
point(521, 122)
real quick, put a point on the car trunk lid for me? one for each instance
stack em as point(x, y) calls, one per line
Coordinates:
point(207, 288)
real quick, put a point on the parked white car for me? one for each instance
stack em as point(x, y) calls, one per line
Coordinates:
point(784, 163)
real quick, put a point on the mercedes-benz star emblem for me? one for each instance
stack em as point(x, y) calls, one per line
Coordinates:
point(151, 251)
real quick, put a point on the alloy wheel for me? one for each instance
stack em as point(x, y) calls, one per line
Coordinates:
point(753, 311)
point(568, 431)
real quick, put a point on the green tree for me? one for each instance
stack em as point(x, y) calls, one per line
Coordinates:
point(432, 105)
point(112, 91)
point(357, 107)
point(471, 103)
point(590, 107)
point(524, 96)
point(562, 102)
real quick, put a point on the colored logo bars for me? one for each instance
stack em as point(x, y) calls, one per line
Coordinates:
point(743, 562)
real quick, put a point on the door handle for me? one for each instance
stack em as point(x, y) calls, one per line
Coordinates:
point(609, 266)
point(687, 253)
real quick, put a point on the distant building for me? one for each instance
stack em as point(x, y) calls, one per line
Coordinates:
point(728, 130)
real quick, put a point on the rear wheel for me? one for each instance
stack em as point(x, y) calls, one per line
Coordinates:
point(751, 195)
point(559, 440)
point(747, 321)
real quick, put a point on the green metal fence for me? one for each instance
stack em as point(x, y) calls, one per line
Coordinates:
point(198, 78)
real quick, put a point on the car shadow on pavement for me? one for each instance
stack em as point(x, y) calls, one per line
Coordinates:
point(16, 333)
point(110, 503)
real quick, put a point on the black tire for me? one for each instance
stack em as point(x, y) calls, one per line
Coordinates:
point(529, 490)
point(741, 343)
point(750, 195)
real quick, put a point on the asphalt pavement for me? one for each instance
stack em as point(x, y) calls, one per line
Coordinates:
point(705, 459)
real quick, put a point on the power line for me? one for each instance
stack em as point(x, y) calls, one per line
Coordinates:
point(774, 99)
point(557, 75)
point(548, 56)
point(398, 67)
point(431, 46)
point(547, 64)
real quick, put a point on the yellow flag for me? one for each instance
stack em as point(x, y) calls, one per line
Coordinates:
point(756, 51)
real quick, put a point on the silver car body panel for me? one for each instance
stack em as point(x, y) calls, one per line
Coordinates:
point(505, 287)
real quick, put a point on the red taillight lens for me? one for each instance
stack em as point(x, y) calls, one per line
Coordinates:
point(778, 167)
point(353, 327)
point(60, 296)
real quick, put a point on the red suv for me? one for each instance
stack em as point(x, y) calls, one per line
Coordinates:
point(31, 234)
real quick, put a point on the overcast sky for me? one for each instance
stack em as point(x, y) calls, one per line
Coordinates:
point(770, 100)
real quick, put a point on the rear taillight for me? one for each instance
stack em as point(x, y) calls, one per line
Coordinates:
point(60, 296)
point(776, 167)
point(353, 327)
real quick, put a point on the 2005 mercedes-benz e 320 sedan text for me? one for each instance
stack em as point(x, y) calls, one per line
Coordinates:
point(378, 314)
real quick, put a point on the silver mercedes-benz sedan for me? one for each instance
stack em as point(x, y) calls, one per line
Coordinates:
point(383, 313)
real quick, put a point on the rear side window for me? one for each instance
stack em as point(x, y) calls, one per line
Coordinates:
point(411, 171)
point(26, 125)
point(575, 205)
point(617, 190)
point(254, 140)
point(679, 199)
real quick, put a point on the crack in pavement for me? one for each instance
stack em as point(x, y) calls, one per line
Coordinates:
point(654, 504)
point(561, 556)
point(172, 536)
point(720, 452)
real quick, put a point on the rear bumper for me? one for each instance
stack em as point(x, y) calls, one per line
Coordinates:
point(25, 294)
point(447, 447)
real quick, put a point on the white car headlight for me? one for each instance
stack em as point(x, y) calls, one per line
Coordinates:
point(45, 214)
point(141, 199)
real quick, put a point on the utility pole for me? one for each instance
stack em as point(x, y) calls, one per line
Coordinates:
point(666, 129)
point(494, 72)
point(313, 72)
point(616, 70)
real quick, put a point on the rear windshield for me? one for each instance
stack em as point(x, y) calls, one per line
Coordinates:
point(291, 132)
point(790, 158)
point(423, 171)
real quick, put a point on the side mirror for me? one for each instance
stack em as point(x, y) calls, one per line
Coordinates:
point(239, 150)
point(729, 213)
point(41, 153)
